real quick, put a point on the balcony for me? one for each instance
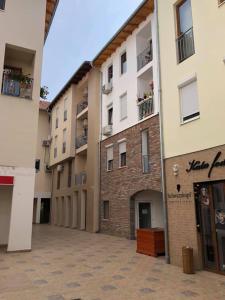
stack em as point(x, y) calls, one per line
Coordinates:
point(144, 58)
point(185, 45)
point(145, 107)
point(82, 108)
point(107, 130)
point(81, 178)
point(16, 84)
point(81, 141)
point(107, 88)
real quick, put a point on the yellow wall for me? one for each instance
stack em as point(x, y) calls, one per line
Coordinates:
point(207, 64)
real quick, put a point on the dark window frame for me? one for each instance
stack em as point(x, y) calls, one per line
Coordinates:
point(37, 165)
point(110, 115)
point(110, 73)
point(123, 60)
point(69, 174)
point(58, 180)
point(106, 210)
point(2, 4)
point(110, 165)
point(123, 159)
point(148, 151)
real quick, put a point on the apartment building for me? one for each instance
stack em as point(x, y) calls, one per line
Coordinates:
point(27, 23)
point(193, 71)
point(130, 187)
point(43, 183)
point(74, 151)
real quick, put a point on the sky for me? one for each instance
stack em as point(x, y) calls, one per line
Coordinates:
point(79, 31)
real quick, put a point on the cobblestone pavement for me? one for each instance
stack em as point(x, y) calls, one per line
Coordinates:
point(70, 264)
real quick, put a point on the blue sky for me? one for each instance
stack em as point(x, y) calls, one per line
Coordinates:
point(80, 30)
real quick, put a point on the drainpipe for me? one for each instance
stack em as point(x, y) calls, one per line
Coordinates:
point(163, 183)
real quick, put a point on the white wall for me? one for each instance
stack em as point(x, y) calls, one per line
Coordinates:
point(128, 81)
point(5, 211)
point(155, 198)
point(22, 207)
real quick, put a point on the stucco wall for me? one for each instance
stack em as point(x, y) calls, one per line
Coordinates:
point(207, 64)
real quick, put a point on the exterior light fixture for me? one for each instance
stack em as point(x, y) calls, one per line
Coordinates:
point(175, 170)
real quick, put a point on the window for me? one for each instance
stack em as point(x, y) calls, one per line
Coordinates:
point(37, 165)
point(106, 210)
point(110, 158)
point(189, 100)
point(185, 37)
point(58, 180)
point(55, 146)
point(145, 150)
point(64, 141)
point(57, 118)
point(123, 107)
point(123, 155)
point(2, 4)
point(69, 173)
point(110, 74)
point(123, 63)
point(65, 110)
point(110, 116)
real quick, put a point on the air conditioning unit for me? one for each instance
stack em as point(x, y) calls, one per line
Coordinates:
point(107, 130)
point(107, 88)
point(60, 168)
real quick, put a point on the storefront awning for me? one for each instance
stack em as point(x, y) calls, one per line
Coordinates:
point(6, 180)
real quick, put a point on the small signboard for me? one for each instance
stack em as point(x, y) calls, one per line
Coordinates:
point(6, 180)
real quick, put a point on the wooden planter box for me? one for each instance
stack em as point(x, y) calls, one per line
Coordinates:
point(150, 241)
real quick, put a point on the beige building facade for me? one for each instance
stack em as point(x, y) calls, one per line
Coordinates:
point(43, 178)
point(192, 79)
point(21, 49)
point(74, 151)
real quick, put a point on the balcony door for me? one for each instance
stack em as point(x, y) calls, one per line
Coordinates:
point(211, 213)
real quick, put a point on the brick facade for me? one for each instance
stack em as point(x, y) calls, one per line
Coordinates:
point(181, 210)
point(120, 185)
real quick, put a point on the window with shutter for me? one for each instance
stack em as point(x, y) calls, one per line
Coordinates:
point(123, 107)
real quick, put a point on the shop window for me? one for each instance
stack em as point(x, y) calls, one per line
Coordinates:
point(189, 101)
point(110, 158)
point(185, 36)
point(105, 210)
point(122, 155)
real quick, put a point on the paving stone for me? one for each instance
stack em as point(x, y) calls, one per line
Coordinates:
point(40, 282)
point(56, 297)
point(152, 279)
point(108, 287)
point(57, 273)
point(118, 277)
point(189, 294)
point(146, 291)
point(86, 275)
point(73, 285)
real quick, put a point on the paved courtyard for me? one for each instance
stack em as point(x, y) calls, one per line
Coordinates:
point(70, 264)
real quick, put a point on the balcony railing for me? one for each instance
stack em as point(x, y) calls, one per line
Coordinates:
point(145, 108)
point(144, 58)
point(81, 178)
point(81, 106)
point(17, 85)
point(145, 163)
point(185, 45)
point(81, 141)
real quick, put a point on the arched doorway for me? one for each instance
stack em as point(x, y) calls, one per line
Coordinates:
point(146, 211)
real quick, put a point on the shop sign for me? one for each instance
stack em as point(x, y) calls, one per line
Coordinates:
point(197, 165)
point(6, 180)
point(179, 195)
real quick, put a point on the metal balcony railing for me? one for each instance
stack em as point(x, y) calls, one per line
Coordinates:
point(145, 108)
point(185, 45)
point(81, 141)
point(145, 163)
point(17, 85)
point(144, 58)
point(81, 178)
point(81, 106)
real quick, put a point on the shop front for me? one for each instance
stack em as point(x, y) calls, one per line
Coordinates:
point(195, 186)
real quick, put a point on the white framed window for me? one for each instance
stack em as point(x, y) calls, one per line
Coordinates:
point(123, 106)
point(109, 154)
point(123, 63)
point(122, 154)
point(64, 141)
point(189, 104)
point(65, 109)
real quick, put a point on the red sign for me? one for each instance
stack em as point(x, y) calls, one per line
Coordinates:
point(6, 180)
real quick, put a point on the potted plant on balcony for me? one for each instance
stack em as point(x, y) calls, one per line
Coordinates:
point(26, 86)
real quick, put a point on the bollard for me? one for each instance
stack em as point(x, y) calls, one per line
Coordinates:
point(188, 264)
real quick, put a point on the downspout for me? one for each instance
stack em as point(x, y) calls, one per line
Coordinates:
point(163, 183)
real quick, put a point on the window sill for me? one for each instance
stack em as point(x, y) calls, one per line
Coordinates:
point(105, 220)
point(124, 118)
point(123, 167)
point(108, 171)
point(190, 120)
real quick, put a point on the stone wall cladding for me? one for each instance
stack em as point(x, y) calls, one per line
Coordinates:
point(118, 186)
point(182, 212)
